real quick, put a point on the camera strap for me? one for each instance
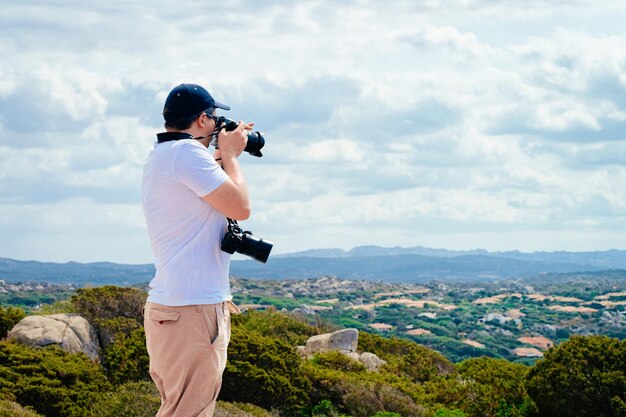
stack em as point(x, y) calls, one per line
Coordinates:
point(169, 136)
point(233, 225)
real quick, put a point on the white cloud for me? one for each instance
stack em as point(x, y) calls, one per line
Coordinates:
point(463, 124)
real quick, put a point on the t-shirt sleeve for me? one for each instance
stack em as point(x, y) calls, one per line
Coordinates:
point(195, 167)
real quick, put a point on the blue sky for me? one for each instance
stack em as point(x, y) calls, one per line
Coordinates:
point(458, 124)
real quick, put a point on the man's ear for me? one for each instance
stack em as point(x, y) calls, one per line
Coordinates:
point(201, 121)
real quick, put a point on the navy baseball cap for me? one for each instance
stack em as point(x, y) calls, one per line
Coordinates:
point(187, 100)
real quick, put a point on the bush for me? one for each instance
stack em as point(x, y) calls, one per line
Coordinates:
point(59, 307)
point(13, 409)
point(264, 371)
point(50, 380)
point(338, 361)
point(285, 327)
point(9, 317)
point(496, 387)
point(365, 398)
point(133, 399)
point(406, 358)
point(225, 409)
point(100, 304)
point(444, 412)
point(110, 328)
point(126, 359)
point(583, 377)
point(361, 394)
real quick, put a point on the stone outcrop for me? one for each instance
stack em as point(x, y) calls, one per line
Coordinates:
point(371, 361)
point(71, 332)
point(344, 341)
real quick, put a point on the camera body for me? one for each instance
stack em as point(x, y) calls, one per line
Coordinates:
point(243, 242)
point(256, 141)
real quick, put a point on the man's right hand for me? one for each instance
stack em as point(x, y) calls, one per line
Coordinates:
point(233, 143)
point(232, 198)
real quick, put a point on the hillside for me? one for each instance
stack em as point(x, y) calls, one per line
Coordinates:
point(266, 376)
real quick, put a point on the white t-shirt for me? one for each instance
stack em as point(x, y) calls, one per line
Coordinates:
point(185, 231)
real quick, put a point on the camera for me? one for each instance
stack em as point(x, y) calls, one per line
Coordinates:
point(256, 141)
point(236, 240)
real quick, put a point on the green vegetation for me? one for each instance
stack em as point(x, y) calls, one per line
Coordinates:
point(585, 376)
point(32, 297)
point(50, 380)
point(131, 399)
point(582, 376)
point(9, 317)
point(13, 409)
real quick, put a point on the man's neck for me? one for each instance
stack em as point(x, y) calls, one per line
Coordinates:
point(195, 134)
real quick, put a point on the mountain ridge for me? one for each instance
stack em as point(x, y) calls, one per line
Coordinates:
point(396, 264)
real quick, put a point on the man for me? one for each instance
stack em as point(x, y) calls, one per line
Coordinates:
point(187, 196)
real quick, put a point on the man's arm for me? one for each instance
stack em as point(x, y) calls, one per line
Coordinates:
point(232, 198)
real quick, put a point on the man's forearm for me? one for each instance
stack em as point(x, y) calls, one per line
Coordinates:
point(233, 170)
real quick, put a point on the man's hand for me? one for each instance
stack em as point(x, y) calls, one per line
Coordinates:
point(231, 198)
point(231, 144)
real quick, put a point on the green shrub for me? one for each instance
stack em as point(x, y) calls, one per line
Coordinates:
point(50, 380)
point(13, 409)
point(285, 327)
point(582, 377)
point(58, 307)
point(325, 408)
point(361, 394)
point(264, 371)
point(497, 387)
point(109, 329)
point(225, 409)
point(365, 398)
point(444, 412)
point(338, 361)
point(406, 358)
point(386, 414)
point(133, 399)
point(9, 317)
point(103, 303)
point(126, 359)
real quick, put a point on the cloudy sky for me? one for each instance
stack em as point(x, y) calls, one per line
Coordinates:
point(452, 124)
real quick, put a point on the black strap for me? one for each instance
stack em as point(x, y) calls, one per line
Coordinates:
point(168, 136)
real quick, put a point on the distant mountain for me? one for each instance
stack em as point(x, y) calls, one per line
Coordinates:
point(611, 259)
point(379, 251)
point(416, 264)
point(414, 268)
point(97, 273)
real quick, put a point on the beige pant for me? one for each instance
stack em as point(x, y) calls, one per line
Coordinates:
point(187, 347)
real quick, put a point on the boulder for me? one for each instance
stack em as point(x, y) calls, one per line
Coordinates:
point(342, 340)
point(301, 350)
point(71, 332)
point(352, 355)
point(371, 361)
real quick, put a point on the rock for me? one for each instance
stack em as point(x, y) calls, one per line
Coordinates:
point(346, 339)
point(304, 310)
point(71, 332)
point(301, 350)
point(371, 361)
point(352, 355)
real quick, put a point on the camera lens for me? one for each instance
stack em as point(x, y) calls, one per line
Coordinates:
point(258, 249)
point(256, 141)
